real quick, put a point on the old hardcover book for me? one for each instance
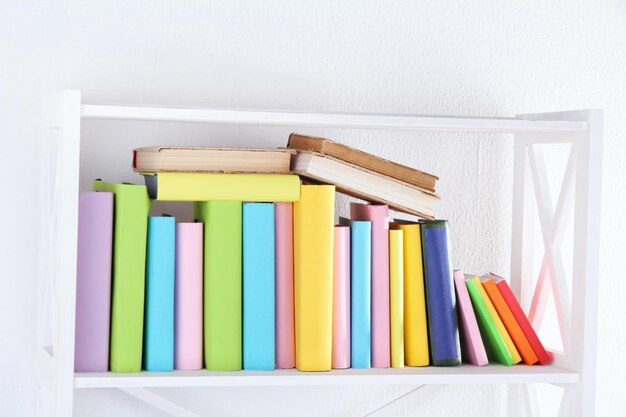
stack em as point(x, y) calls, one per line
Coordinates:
point(365, 184)
point(209, 159)
point(363, 159)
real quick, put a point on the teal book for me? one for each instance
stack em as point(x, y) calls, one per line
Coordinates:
point(130, 227)
point(259, 332)
point(222, 311)
point(361, 292)
point(160, 272)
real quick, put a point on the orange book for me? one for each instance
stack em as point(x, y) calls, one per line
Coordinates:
point(515, 331)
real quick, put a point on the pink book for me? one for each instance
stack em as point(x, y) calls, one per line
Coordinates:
point(341, 299)
point(378, 214)
point(283, 240)
point(188, 297)
point(93, 281)
point(472, 347)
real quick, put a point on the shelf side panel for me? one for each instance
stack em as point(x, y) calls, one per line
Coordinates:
point(57, 251)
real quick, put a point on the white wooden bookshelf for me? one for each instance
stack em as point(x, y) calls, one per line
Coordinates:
point(573, 369)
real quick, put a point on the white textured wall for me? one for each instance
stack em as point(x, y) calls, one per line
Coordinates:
point(427, 57)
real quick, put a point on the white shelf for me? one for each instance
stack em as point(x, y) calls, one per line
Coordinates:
point(465, 374)
point(332, 120)
point(575, 301)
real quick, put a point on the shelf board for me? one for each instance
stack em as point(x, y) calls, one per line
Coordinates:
point(332, 120)
point(465, 374)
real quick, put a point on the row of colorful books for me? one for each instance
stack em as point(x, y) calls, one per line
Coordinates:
point(366, 293)
point(265, 279)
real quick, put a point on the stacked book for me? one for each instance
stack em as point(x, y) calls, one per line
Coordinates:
point(266, 278)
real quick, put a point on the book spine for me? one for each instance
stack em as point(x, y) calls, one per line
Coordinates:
point(416, 351)
point(379, 216)
point(361, 273)
point(516, 333)
point(472, 347)
point(93, 281)
point(259, 351)
point(498, 322)
point(313, 273)
point(341, 299)
point(129, 266)
point(160, 272)
point(202, 186)
point(494, 344)
point(285, 339)
point(442, 325)
point(544, 356)
point(396, 297)
point(188, 302)
point(222, 283)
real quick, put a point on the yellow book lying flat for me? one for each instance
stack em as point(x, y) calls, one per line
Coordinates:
point(202, 186)
point(313, 250)
point(396, 308)
point(496, 318)
point(416, 351)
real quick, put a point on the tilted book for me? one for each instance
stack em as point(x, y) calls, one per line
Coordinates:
point(365, 184)
point(93, 281)
point(472, 347)
point(363, 159)
point(259, 344)
point(222, 283)
point(313, 239)
point(515, 331)
point(129, 271)
point(492, 339)
point(211, 159)
point(160, 273)
point(545, 357)
point(203, 186)
point(498, 321)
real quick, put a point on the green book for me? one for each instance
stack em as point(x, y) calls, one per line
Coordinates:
point(494, 344)
point(222, 283)
point(129, 266)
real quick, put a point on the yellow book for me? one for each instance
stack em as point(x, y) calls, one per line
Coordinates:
point(416, 352)
point(396, 301)
point(496, 319)
point(206, 186)
point(313, 250)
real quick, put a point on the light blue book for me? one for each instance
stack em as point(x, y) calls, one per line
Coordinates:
point(159, 316)
point(259, 348)
point(360, 303)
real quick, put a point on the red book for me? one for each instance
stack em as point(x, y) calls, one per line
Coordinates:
point(544, 356)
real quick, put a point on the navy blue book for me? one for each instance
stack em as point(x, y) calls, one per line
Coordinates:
point(259, 332)
point(443, 331)
point(159, 315)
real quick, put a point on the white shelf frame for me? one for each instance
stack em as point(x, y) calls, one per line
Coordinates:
point(574, 370)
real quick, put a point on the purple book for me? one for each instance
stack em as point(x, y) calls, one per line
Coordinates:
point(93, 281)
